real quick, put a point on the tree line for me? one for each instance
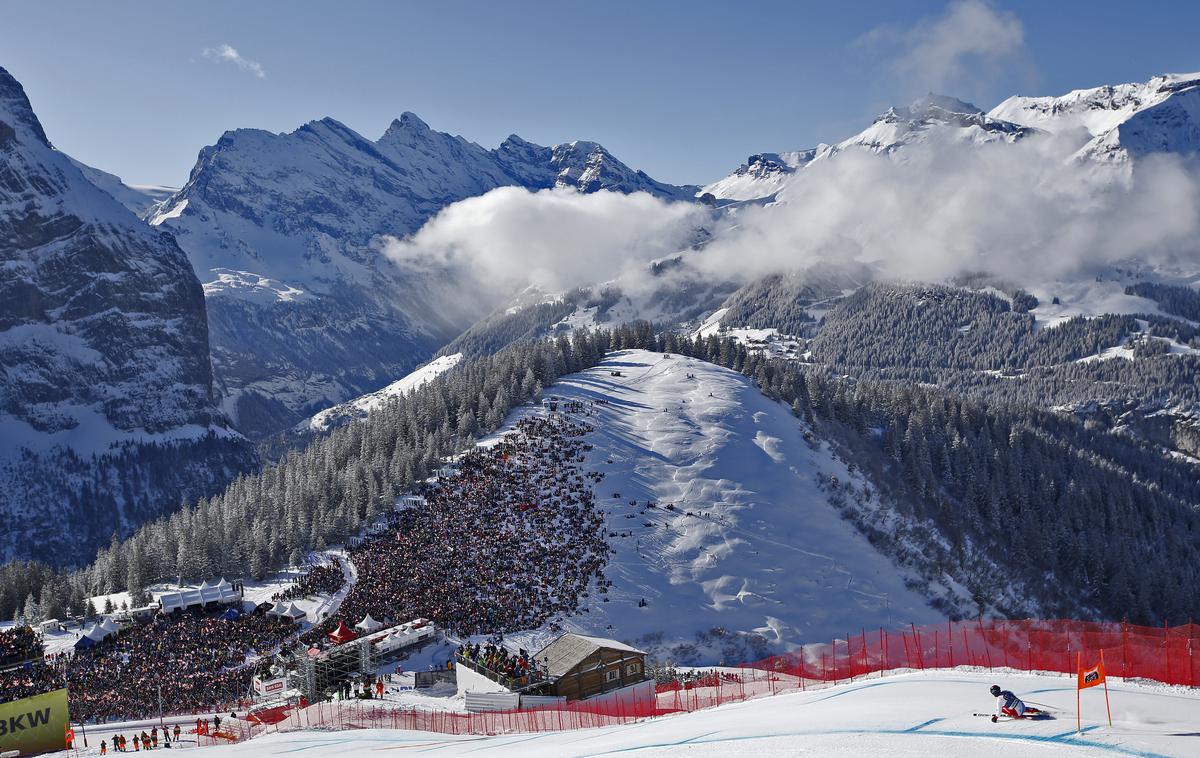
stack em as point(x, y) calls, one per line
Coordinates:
point(1025, 509)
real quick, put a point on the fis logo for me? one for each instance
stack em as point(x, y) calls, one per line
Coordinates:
point(14, 724)
point(1091, 676)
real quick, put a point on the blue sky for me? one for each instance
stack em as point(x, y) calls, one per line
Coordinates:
point(683, 90)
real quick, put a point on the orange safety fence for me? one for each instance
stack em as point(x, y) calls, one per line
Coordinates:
point(1162, 654)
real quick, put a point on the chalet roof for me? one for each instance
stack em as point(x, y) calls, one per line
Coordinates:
point(566, 652)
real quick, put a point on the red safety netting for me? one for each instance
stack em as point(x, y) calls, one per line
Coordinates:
point(1163, 654)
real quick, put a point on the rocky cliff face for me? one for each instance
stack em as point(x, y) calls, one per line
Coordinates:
point(107, 388)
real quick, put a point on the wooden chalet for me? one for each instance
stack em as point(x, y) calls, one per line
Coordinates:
point(581, 667)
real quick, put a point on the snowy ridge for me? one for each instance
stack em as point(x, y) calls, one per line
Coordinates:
point(141, 199)
point(1110, 124)
point(361, 407)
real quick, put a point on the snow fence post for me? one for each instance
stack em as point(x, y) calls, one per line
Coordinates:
point(883, 644)
point(1125, 648)
point(1166, 678)
point(866, 659)
point(1078, 671)
point(1028, 646)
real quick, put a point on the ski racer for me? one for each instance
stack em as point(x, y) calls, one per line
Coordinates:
point(1007, 704)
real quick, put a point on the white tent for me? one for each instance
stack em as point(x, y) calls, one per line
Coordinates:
point(97, 633)
point(293, 612)
point(109, 626)
point(368, 625)
point(203, 595)
point(279, 609)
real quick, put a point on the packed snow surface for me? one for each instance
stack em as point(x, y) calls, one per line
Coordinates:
point(750, 542)
point(917, 714)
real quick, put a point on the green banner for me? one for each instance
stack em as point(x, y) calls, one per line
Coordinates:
point(35, 724)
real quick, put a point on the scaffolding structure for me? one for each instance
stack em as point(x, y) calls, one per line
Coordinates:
point(316, 676)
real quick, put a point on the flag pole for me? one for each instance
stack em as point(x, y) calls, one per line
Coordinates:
point(1107, 707)
point(1078, 677)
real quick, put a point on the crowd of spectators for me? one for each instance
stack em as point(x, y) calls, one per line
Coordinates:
point(499, 663)
point(509, 540)
point(19, 644)
point(325, 579)
point(33, 678)
point(197, 659)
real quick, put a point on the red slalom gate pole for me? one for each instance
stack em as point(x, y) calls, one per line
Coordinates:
point(1107, 707)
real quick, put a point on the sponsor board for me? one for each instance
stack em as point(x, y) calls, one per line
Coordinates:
point(35, 724)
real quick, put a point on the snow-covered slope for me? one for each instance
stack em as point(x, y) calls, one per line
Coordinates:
point(300, 213)
point(1120, 121)
point(141, 198)
point(104, 349)
point(916, 714)
point(743, 535)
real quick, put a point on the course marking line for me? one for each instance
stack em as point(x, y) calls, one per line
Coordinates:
point(923, 725)
point(1074, 742)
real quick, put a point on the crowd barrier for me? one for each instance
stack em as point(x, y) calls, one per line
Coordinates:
point(1162, 654)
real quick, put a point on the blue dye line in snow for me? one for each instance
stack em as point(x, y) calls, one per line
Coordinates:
point(923, 725)
point(1055, 740)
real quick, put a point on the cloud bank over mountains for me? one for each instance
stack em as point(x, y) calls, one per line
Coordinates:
point(1020, 211)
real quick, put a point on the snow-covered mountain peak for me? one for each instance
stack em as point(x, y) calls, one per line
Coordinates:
point(283, 230)
point(411, 121)
point(1123, 120)
point(933, 117)
point(16, 112)
point(939, 119)
point(934, 102)
point(761, 175)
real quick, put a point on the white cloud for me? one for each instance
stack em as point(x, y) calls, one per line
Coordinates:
point(1024, 212)
point(963, 43)
point(1019, 211)
point(556, 239)
point(227, 54)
